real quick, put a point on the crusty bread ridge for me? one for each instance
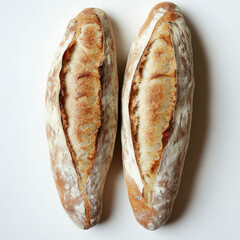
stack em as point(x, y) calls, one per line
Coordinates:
point(81, 114)
point(156, 114)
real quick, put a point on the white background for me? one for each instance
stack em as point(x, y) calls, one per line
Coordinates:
point(207, 206)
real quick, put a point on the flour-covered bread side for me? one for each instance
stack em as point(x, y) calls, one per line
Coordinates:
point(81, 114)
point(156, 113)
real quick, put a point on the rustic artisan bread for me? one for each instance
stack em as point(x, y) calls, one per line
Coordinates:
point(156, 113)
point(81, 114)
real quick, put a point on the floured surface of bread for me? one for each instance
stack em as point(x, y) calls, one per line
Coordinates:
point(80, 97)
point(152, 100)
point(81, 114)
point(156, 113)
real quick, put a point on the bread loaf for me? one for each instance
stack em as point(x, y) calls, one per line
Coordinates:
point(156, 113)
point(81, 114)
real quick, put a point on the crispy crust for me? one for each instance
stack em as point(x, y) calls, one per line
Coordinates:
point(153, 85)
point(81, 114)
point(80, 99)
point(153, 184)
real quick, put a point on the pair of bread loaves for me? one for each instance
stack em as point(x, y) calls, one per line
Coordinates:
point(82, 113)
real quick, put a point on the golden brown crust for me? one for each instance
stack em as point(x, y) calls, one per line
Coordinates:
point(155, 76)
point(156, 107)
point(81, 114)
point(80, 98)
point(167, 6)
point(139, 204)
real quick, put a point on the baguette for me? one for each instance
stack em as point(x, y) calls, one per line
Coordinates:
point(81, 114)
point(156, 113)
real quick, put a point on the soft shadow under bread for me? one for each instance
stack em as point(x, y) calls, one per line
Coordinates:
point(116, 166)
point(199, 126)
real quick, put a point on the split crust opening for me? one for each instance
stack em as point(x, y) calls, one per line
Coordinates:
point(80, 96)
point(152, 100)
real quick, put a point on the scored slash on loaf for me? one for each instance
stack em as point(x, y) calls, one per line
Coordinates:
point(156, 113)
